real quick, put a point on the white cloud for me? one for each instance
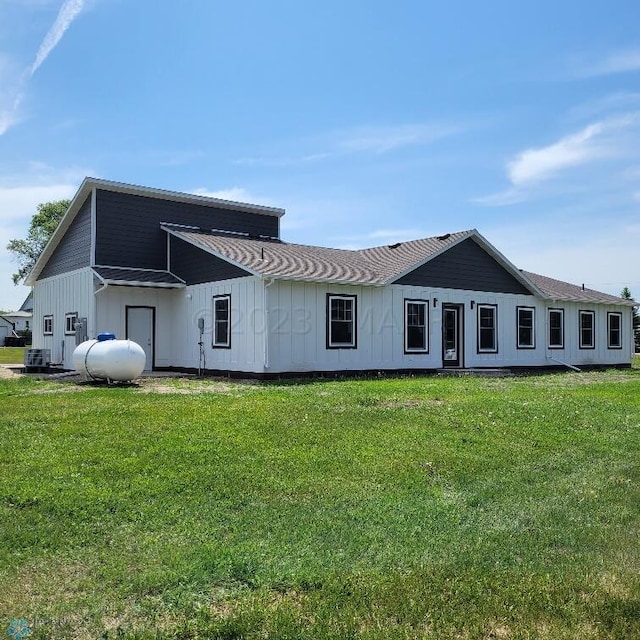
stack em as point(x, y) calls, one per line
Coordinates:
point(533, 166)
point(617, 62)
point(384, 139)
point(69, 11)
point(19, 197)
point(15, 84)
point(234, 194)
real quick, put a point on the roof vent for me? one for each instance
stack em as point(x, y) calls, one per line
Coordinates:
point(446, 236)
point(395, 246)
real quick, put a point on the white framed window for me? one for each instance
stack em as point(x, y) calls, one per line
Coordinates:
point(416, 326)
point(556, 328)
point(341, 322)
point(587, 320)
point(222, 322)
point(614, 330)
point(487, 328)
point(47, 325)
point(70, 323)
point(526, 318)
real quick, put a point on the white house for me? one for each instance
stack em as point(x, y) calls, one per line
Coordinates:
point(208, 284)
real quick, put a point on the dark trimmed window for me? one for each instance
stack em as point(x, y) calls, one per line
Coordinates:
point(47, 325)
point(487, 328)
point(416, 321)
point(556, 328)
point(587, 321)
point(70, 323)
point(614, 330)
point(222, 322)
point(341, 322)
point(526, 327)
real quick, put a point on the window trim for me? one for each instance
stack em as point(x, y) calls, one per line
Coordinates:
point(610, 344)
point(48, 317)
point(227, 343)
point(354, 342)
point(494, 308)
point(549, 312)
point(425, 304)
point(68, 316)
point(581, 313)
point(533, 328)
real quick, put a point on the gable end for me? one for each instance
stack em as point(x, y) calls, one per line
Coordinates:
point(74, 250)
point(465, 266)
point(196, 266)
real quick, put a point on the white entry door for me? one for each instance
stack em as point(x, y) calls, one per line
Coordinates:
point(140, 329)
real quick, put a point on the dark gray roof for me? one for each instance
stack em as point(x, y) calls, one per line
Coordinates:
point(303, 262)
point(559, 290)
point(137, 276)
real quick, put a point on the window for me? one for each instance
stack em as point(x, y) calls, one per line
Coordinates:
point(526, 328)
point(47, 325)
point(222, 322)
point(341, 326)
point(587, 333)
point(416, 317)
point(70, 323)
point(487, 325)
point(614, 330)
point(556, 328)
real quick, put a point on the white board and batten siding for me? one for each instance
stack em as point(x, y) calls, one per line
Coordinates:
point(111, 316)
point(246, 352)
point(298, 329)
point(56, 297)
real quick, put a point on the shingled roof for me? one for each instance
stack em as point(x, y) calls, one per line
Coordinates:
point(376, 266)
point(559, 290)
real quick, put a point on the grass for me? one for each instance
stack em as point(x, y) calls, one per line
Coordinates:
point(392, 508)
point(11, 355)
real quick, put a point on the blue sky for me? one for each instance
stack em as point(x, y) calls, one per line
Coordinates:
point(369, 122)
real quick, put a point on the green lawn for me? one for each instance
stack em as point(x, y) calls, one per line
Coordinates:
point(12, 355)
point(393, 508)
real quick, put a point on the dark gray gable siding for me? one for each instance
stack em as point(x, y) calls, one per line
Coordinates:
point(195, 266)
point(74, 250)
point(128, 230)
point(465, 266)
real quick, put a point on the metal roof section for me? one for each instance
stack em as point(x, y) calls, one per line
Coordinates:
point(138, 277)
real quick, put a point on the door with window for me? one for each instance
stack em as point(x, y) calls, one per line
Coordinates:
point(141, 329)
point(452, 351)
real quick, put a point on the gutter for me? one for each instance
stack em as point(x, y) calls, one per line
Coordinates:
point(564, 364)
point(268, 283)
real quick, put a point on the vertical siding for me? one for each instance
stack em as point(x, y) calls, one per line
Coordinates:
point(111, 304)
point(57, 296)
point(297, 330)
point(74, 250)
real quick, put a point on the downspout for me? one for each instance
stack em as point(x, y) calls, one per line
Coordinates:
point(268, 283)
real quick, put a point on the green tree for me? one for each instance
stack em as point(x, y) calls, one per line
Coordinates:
point(43, 224)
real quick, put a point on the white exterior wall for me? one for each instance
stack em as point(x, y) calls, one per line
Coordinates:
point(298, 330)
point(68, 293)
point(248, 322)
point(111, 315)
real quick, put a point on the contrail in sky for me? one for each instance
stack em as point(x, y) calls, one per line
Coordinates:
point(68, 13)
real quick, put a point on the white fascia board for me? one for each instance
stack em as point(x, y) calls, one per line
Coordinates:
point(77, 201)
point(179, 196)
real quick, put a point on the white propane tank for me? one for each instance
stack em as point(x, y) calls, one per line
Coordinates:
point(109, 359)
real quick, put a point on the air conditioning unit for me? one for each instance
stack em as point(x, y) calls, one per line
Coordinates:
point(37, 359)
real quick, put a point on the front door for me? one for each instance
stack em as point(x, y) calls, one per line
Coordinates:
point(451, 335)
point(140, 329)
